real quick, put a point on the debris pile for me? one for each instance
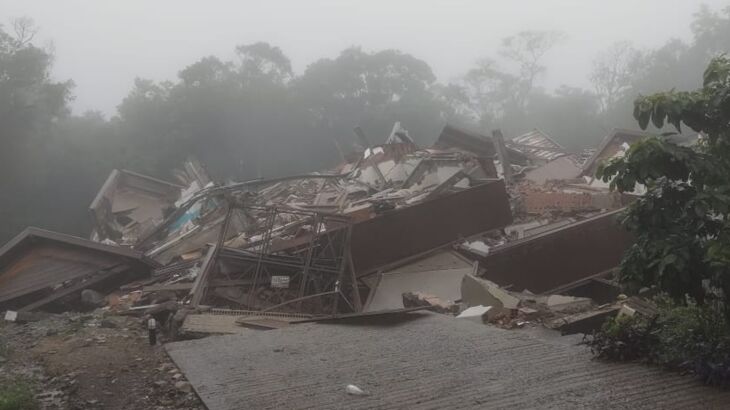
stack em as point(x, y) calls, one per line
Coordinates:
point(394, 218)
point(509, 232)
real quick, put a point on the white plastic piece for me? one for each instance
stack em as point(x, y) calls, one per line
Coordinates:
point(354, 390)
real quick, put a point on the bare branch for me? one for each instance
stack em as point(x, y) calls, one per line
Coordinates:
point(25, 30)
point(612, 72)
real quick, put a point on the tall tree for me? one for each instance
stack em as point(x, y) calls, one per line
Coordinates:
point(682, 223)
point(527, 49)
point(613, 71)
point(261, 61)
point(490, 91)
point(372, 90)
point(29, 99)
point(499, 97)
point(30, 104)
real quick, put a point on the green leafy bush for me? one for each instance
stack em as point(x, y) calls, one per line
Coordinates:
point(623, 338)
point(682, 223)
point(688, 337)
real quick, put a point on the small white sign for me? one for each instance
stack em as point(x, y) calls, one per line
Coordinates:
point(280, 282)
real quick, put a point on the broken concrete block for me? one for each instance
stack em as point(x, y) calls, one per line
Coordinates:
point(476, 314)
point(528, 313)
point(93, 298)
point(641, 306)
point(626, 311)
point(438, 305)
point(11, 316)
point(476, 291)
point(560, 303)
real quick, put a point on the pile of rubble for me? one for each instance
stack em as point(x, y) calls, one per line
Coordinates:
point(510, 232)
point(484, 301)
point(392, 219)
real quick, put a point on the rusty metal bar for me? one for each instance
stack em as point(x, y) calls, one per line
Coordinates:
point(299, 300)
point(353, 277)
point(308, 258)
point(344, 264)
point(264, 247)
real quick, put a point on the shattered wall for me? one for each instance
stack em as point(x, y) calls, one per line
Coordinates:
point(419, 228)
point(558, 257)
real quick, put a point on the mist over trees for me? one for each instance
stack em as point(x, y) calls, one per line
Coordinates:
point(253, 116)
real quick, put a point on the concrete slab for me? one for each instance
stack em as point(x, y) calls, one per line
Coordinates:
point(477, 291)
point(445, 284)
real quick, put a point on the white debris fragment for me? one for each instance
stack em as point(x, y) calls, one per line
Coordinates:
point(475, 313)
point(11, 315)
point(477, 247)
point(354, 390)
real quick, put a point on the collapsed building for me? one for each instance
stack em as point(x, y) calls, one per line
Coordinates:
point(523, 213)
point(514, 232)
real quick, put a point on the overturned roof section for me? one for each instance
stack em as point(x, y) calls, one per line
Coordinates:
point(37, 260)
point(537, 145)
point(128, 200)
point(565, 167)
point(411, 231)
point(558, 257)
point(611, 145)
point(480, 145)
point(452, 137)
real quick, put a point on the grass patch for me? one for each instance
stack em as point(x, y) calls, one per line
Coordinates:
point(17, 395)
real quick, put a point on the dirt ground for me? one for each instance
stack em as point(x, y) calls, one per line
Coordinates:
point(92, 361)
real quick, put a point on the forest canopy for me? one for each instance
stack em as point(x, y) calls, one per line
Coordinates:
point(254, 116)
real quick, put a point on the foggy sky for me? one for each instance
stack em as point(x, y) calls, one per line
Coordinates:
point(104, 44)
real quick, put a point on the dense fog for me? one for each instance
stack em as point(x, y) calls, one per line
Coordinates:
point(258, 109)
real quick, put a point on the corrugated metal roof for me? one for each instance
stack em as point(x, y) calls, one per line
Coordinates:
point(537, 144)
point(430, 362)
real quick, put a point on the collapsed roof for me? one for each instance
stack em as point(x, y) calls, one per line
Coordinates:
point(313, 243)
point(38, 267)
